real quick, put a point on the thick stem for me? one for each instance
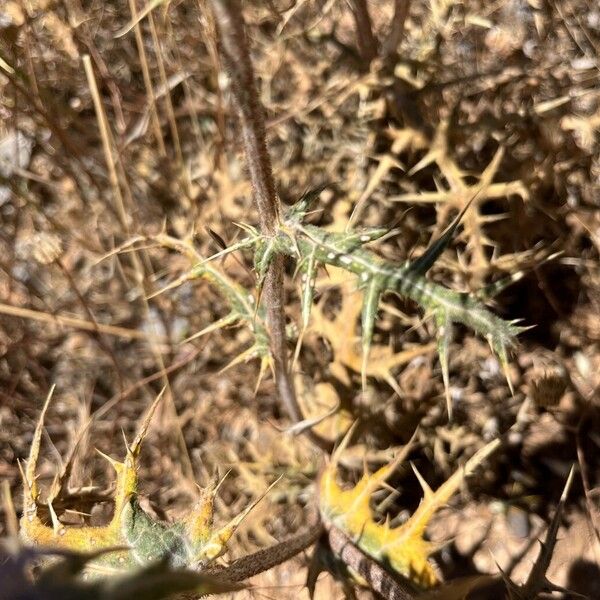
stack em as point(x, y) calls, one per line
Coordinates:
point(379, 580)
point(267, 558)
point(274, 296)
point(234, 50)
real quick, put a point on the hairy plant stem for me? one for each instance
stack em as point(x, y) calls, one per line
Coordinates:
point(234, 50)
point(248, 566)
point(379, 579)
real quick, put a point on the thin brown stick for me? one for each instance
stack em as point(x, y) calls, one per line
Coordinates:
point(139, 41)
point(234, 48)
point(65, 321)
point(106, 146)
point(170, 110)
point(367, 44)
point(401, 9)
point(380, 580)
point(10, 515)
point(236, 57)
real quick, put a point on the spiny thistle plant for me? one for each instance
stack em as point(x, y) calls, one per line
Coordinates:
point(242, 303)
point(313, 246)
point(134, 540)
point(402, 548)
point(193, 541)
point(394, 561)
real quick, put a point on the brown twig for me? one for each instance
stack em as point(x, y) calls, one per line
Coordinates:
point(234, 50)
point(248, 566)
point(64, 321)
point(367, 43)
point(236, 57)
point(379, 580)
point(401, 9)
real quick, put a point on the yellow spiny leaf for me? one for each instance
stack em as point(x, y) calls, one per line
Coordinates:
point(341, 333)
point(403, 548)
point(138, 538)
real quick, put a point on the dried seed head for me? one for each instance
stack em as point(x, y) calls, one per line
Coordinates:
point(548, 386)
